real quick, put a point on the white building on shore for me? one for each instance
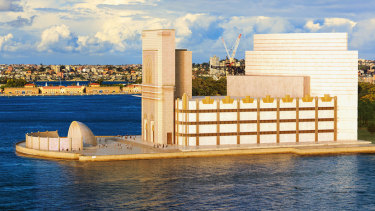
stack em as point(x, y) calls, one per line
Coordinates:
point(297, 88)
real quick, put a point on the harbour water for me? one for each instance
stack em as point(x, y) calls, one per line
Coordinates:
point(237, 183)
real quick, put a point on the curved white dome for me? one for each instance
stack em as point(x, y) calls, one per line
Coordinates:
point(80, 132)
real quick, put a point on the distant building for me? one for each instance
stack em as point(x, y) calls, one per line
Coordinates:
point(52, 90)
point(74, 89)
point(132, 89)
point(60, 75)
point(30, 86)
point(94, 85)
point(367, 79)
point(97, 89)
point(55, 68)
point(214, 65)
point(365, 62)
point(28, 89)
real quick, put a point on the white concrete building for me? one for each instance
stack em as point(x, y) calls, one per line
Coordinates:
point(312, 80)
point(214, 64)
point(324, 57)
point(221, 121)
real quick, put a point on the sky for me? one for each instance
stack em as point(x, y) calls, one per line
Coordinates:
point(109, 31)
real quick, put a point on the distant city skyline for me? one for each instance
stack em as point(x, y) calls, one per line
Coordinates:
point(108, 31)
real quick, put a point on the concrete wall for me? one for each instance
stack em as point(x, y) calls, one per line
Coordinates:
point(41, 141)
point(276, 86)
point(324, 58)
point(236, 121)
point(183, 73)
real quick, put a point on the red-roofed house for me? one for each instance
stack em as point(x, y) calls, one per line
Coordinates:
point(29, 85)
point(94, 85)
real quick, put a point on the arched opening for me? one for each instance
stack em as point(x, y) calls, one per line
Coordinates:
point(152, 131)
point(145, 130)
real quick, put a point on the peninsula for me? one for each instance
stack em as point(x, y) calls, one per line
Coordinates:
point(289, 101)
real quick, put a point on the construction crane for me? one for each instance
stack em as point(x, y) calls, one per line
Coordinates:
point(230, 60)
point(234, 47)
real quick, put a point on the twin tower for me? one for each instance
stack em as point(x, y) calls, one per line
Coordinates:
point(166, 75)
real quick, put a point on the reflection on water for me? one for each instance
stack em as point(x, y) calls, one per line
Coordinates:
point(243, 182)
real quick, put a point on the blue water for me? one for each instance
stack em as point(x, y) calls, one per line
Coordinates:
point(236, 183)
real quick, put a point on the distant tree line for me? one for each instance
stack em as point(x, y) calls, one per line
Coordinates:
point(366, 106)
point(365, 68)
point(3, 80)
point(209, 87)
point(14, 83)
point(100, 82)
point(120, 85)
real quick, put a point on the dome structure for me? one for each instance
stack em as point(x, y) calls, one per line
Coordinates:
point(81, 134)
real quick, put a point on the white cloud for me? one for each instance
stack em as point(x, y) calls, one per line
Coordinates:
point(339, 22)
point(184, 23)
point(116, 32)
point(363, 35)
point(5, 5)
point(119, 2)
point(10, 5)
point(257, 24)
point(92, 27)
point(272, 25)
point(123, 32)
point(254, 25)
point(93, 4)
point(8, 44)
point(4, 40)
point(331, 25)
point(56, 38)
point(91, 45)
point(312, 26)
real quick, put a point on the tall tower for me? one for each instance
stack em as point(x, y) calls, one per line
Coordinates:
point(183, 73)
point(158, 85)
